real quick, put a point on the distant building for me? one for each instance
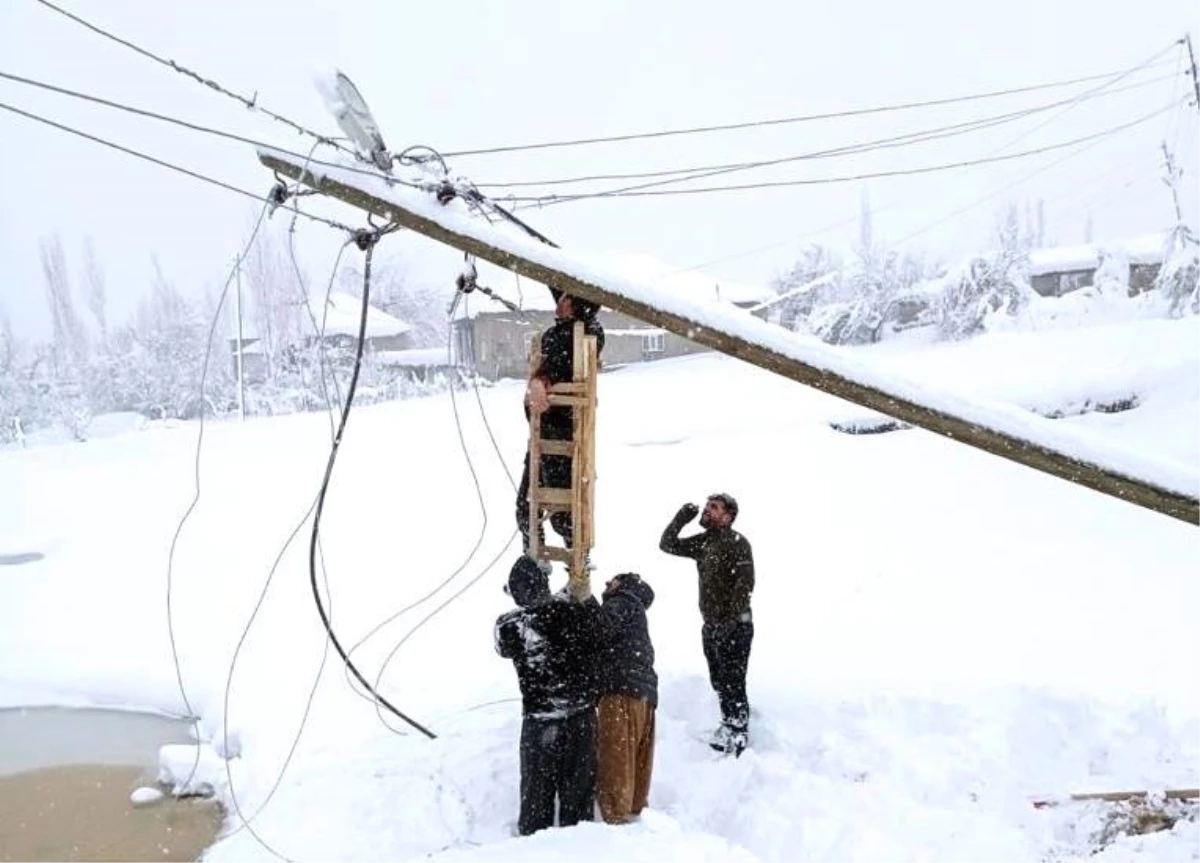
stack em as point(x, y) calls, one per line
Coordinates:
point(334, 322)
point(495, 341)
point(1057, 271)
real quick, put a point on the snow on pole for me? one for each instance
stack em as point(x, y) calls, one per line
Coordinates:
point(1075, 454)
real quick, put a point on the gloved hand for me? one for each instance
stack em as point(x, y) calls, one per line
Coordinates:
point(686, 513)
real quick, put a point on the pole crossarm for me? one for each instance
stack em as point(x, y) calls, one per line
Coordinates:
point(1074, 454)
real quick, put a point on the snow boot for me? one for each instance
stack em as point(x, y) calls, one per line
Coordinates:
point(728, 740)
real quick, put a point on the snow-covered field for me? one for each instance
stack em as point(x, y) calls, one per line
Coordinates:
point(940, 634)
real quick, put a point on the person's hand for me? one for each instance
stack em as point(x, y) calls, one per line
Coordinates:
point(536, 396)
point(687, 512)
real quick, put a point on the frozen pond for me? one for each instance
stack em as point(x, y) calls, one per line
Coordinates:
point(32, 738)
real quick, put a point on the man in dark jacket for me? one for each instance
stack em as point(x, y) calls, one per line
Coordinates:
point(726, 567)
point(553, 644)
point(556, 366)
point(628, 698)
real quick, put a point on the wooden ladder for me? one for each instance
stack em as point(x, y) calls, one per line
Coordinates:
point(579, 500)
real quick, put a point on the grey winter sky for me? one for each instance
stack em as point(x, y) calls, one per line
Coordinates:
point(460, 75)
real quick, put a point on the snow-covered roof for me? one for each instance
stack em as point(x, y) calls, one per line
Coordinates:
point(414, 357)
point(635, 331)
point(341, 317)
point(534, 296)
point(1146, 249)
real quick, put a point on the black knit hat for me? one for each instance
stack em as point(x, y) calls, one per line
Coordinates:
point(584, 310)
point(527, 583)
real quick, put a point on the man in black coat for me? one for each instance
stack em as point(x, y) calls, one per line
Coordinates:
point(554, 644)
point(628, 698)
point(725, 564)
point(555, 366)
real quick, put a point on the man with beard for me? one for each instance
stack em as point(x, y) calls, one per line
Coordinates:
point(726, 567)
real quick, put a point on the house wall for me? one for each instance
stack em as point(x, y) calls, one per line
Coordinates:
point(401, 342)
point(648, 344)
point(1142, 277)
point(497, 344)
point(1057, 284)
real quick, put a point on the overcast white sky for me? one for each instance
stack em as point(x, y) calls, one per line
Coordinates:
point(459, 75)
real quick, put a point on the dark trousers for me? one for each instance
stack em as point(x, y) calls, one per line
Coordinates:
point(727, 649)
point(555, 473)
point(558, 759)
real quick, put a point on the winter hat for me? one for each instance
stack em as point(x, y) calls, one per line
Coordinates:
point(632, 583)
point(527, 583)
point(584, 310)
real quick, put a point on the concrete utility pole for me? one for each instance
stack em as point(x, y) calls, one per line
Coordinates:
point(240, 346)
point(1172, 180)
point(1192, 69)
point(920, 410)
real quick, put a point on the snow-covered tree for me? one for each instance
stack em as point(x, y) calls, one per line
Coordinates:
point(421, 305)
point(815, 263)
point(275, 296)
point(987, 285)
point(1179, 278)
point(160, 355)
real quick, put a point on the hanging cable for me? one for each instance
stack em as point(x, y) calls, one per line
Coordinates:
point(366, 241)
point(245, 822)
point(466, 452)
point(191, 508)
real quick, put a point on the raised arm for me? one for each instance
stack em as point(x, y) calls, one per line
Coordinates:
point(672, 544)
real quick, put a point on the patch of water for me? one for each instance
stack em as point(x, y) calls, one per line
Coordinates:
point(66, 778)
point(39, 737)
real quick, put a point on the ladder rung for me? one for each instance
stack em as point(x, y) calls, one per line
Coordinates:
point(551, 552)
point(568, 388)
point(557, 447)
point(568, 400)
point(553, 496)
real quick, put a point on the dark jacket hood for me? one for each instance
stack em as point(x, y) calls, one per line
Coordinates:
point(632, 584)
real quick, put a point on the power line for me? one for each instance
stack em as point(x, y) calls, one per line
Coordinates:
point(921, 136)
point(196, 500)
point(195, 127)
point(1000, 191)
point(251, 103)
point(258, 606)
point(802, 118)
point(549, 200)
point(163, 164)
point(850, 220)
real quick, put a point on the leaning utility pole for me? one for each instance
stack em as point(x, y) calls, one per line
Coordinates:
point(1002, 430)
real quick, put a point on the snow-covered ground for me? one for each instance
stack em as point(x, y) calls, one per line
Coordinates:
point(940, 634)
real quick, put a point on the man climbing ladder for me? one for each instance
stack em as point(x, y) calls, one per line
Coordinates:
point(560, 402)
